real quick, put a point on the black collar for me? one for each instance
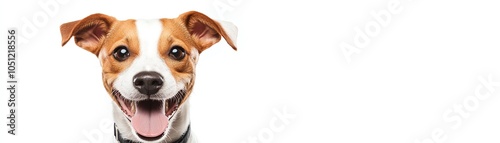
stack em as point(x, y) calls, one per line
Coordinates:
point(182, 139)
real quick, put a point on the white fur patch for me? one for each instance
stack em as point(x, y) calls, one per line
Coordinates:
point(230, 29)
point(194, 55)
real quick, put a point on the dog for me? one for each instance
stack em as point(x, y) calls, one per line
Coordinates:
point(148, 69)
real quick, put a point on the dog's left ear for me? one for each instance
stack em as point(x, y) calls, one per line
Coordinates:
point(206, 32)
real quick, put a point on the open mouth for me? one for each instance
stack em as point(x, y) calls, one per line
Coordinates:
point(149, 118)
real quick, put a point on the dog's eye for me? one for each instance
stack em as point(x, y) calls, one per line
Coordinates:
point(177, 53)
point(121, 53)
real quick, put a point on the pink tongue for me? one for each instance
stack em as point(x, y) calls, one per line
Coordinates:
point(149, 123)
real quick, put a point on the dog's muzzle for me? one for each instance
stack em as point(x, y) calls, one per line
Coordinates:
point(149, 117)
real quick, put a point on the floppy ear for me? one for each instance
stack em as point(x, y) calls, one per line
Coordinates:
point(205, 32)
point(89, 32)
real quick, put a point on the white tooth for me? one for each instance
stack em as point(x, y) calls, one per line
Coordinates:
point(132, 107)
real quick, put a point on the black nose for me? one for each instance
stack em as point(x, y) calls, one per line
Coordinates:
point(148, 82)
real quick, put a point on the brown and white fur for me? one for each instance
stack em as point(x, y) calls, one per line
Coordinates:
point(149, 64)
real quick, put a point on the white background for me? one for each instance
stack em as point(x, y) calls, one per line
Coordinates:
point(396, 89)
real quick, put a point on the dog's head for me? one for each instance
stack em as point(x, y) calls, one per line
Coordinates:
point(148, 66)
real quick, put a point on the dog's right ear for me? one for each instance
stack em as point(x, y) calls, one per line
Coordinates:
point(89, 32)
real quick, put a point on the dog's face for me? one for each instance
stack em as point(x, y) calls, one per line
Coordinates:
point(148, 65)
